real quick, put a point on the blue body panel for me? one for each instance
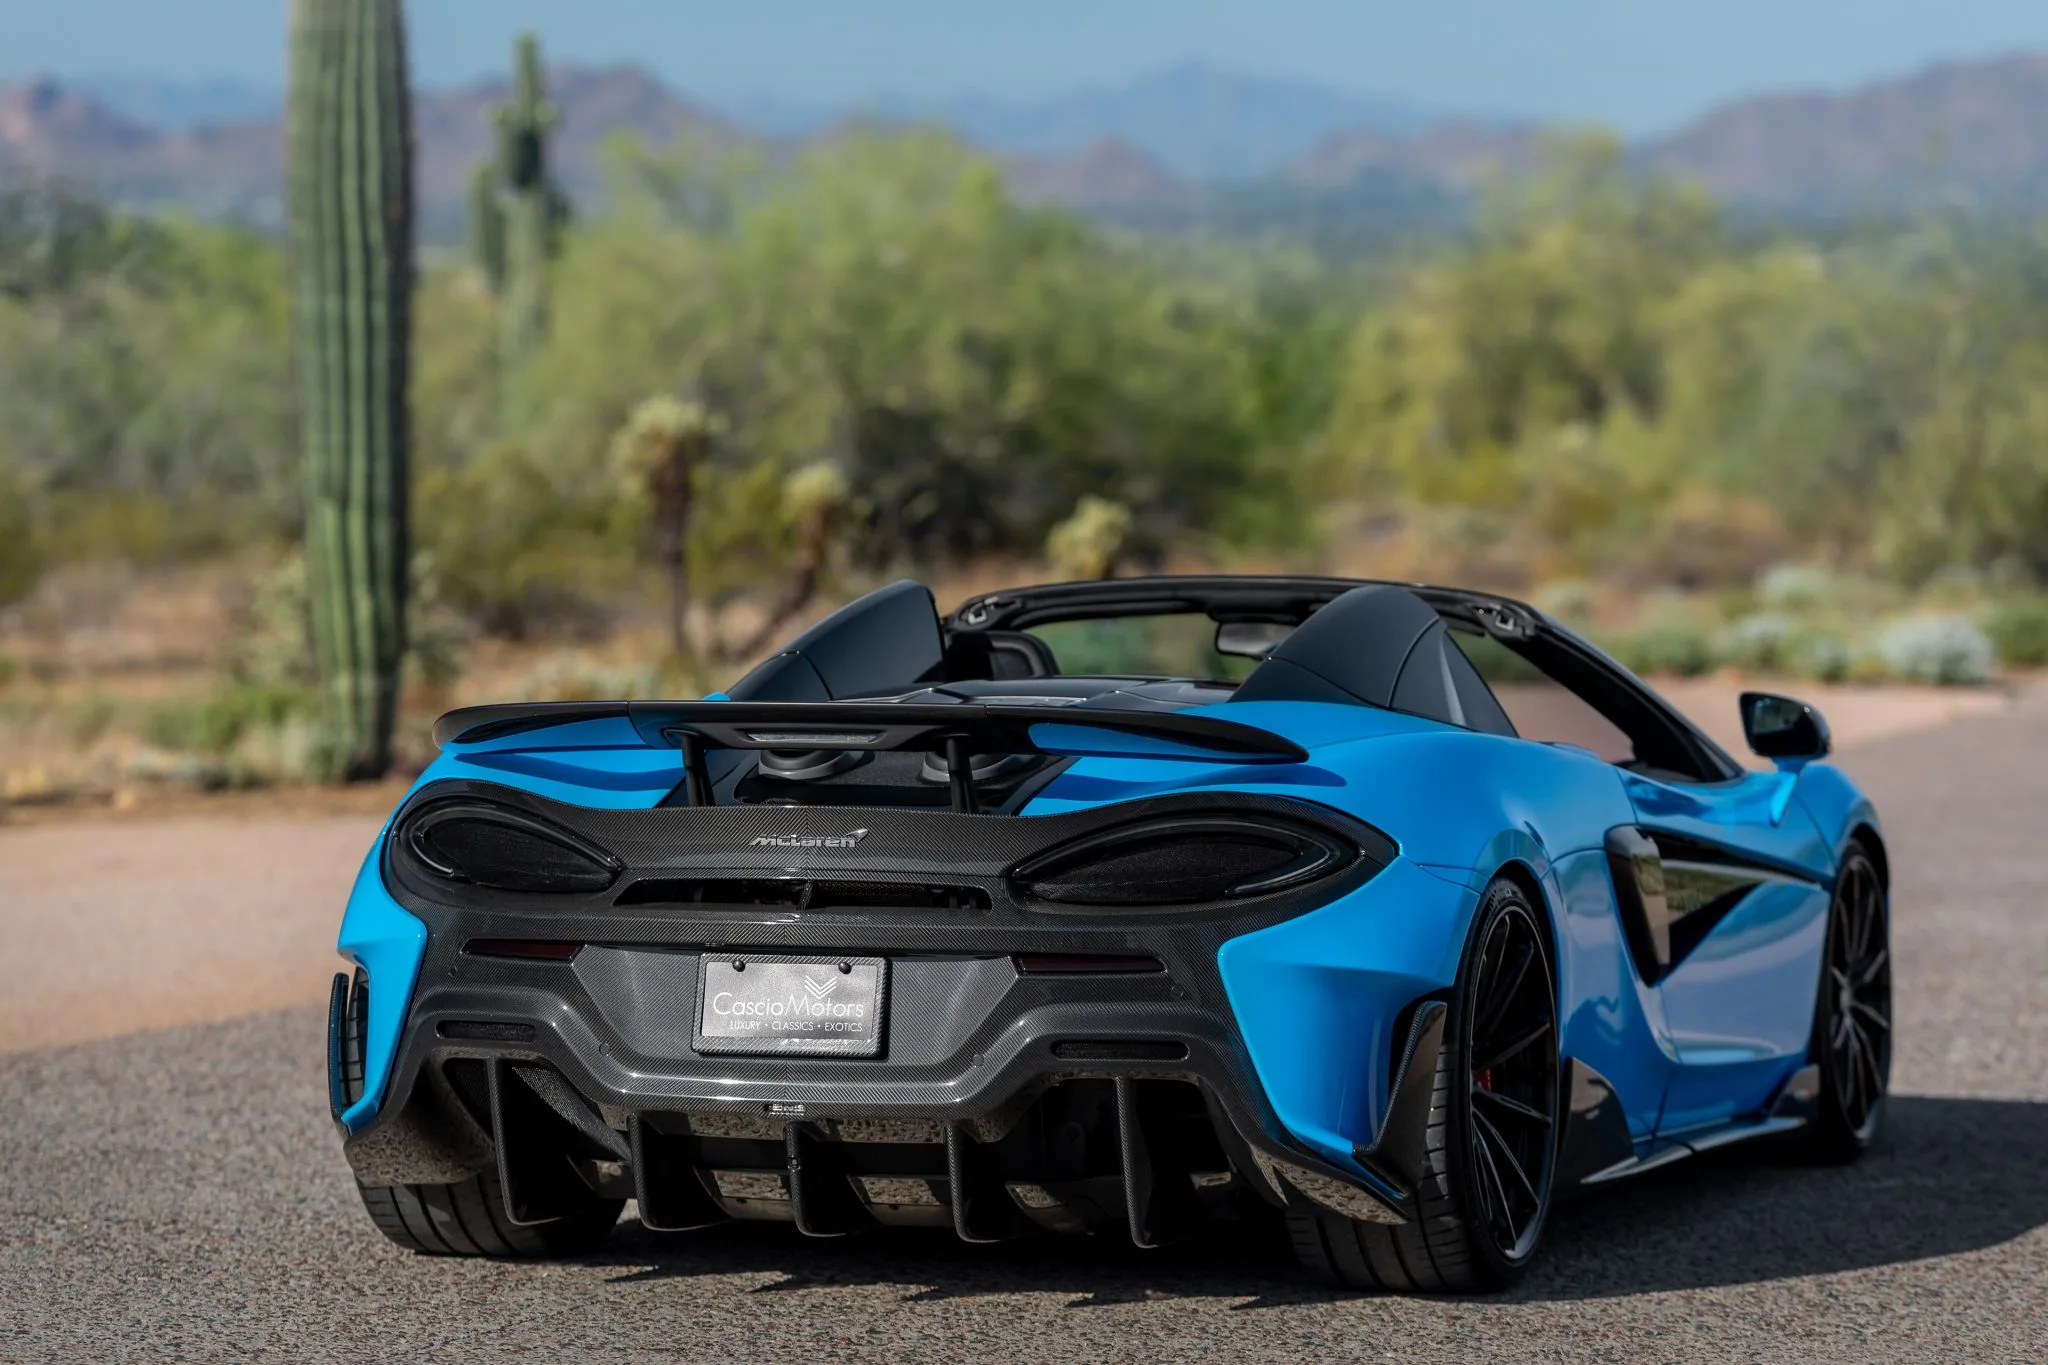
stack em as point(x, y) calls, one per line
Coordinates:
point(386, 940)
point(1318, 996)
point(1739, 1009)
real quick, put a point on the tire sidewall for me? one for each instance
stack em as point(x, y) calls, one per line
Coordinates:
point(1503, 896)
point(1834, 1138)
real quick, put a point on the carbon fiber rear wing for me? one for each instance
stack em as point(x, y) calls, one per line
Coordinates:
point(958, 731)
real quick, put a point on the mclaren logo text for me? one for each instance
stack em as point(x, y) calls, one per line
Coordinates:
point(847, 840)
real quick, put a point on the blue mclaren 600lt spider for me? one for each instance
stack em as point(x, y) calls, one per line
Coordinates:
point(1390, 913)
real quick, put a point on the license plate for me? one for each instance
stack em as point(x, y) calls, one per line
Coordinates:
point(792, 1006)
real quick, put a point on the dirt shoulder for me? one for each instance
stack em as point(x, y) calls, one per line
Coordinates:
point(118, 925)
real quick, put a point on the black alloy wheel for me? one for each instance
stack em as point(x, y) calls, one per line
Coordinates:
point(1853, 1024)
point(1511, 1084)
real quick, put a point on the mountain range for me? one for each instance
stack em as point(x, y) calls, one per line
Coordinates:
point(1197, 122)
point(1189, 140)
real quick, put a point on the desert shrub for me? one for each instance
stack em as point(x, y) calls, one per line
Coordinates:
point(1090, 543)
point(1667, 646)
point(1760, 642)
point(1798, 588)
point(89, 716)
point(9, 670)
point(21, 561)
point(297, 749)
point(1938, 649)
point(1569, 599)
point(1817, 654)
point(272, 645)
point(2018, 627)
point(1953, 587)
point(569, 676)
point(517, 549)
point(214, 724)
point(1705, 538)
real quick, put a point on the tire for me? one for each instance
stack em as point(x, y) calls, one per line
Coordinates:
point(1461, 1242)
point(1852, 1017)
point(467, 1218)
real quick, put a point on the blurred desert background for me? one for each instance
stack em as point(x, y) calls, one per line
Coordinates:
point(1755, 396)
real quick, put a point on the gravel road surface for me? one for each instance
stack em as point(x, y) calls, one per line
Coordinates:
point(179, 1195)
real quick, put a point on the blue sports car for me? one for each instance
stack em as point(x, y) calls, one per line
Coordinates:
point(1392, 912)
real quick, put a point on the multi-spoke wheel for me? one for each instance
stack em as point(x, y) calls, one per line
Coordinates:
point(1853, 1016)
point(1491, 1141)
point(1511, 1097)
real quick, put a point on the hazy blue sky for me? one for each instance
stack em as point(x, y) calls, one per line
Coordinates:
point(1635, 64)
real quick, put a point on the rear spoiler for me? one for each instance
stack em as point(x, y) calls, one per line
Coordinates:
point(957, 730)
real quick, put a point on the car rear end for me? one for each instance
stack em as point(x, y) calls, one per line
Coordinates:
point(839, 1015)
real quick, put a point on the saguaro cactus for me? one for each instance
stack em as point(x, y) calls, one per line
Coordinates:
point(487, 227)
point(351, 231)
point(516, 210)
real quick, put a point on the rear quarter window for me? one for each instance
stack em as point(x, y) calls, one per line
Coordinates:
point(1542, 708)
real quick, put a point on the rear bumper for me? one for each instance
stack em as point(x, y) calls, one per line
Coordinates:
point(981, 1060)
point(983, 1067)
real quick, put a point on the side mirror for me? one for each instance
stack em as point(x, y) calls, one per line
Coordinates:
point(1251, 639)
point(1783, 728)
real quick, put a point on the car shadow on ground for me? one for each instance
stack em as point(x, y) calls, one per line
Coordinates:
point(1949, 1176)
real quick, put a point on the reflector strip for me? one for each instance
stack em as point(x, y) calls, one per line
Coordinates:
point(548, 949)
point(1076, 964)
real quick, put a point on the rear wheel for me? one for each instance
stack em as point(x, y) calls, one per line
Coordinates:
point(467, 1218)
point(1852, 1026)
point(1492, 1133)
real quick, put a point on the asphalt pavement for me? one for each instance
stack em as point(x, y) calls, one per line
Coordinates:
point(179, 1194)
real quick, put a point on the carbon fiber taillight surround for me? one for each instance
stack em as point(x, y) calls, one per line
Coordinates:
point(995, 854)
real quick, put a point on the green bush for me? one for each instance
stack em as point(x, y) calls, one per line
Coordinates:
point(1761, 643)
point(1818, 655)
point(1672, 646)
point(1567, 600)
point(89, 717)
point(517, 550)
point(21, 561)
point(1938, 649)
point(213, 725)
point(2018, 627)
point(1799, 587)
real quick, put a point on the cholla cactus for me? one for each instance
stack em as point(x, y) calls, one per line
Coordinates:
point(659, 451)
point(815, 505)
point(814, 499)
point(1091, 542)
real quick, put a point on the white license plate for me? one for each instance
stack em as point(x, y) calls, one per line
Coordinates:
point(793, 1006)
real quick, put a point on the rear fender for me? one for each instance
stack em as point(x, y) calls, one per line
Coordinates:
point(1319, 999)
